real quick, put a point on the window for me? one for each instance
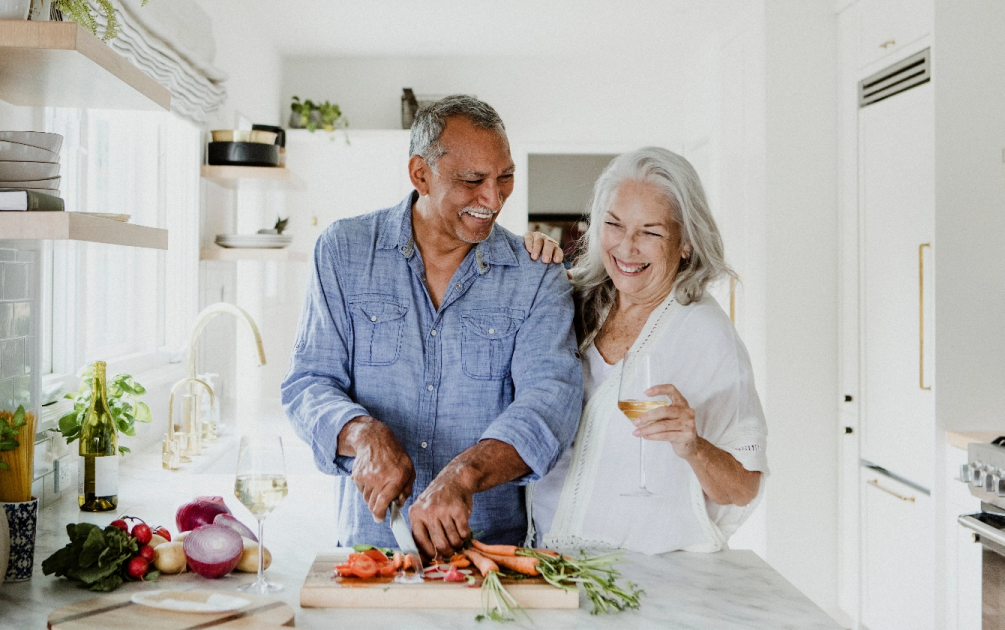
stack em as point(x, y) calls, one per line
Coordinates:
point(125, 305)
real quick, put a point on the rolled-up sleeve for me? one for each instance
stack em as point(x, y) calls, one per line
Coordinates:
point(315, 391)
point(547, 376)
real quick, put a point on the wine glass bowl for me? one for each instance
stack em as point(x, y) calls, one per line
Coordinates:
point(636, 378)
point(260, 486)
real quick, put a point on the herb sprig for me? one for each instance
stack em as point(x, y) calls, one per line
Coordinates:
point(9, 432)
point(123, 394)
point(597, 574)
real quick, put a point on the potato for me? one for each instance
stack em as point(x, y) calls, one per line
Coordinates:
point(170, 558)
point(157, 540)
point(249, 559)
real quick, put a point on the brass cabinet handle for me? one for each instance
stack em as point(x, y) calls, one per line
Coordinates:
point(921, 316)
point(875, 483)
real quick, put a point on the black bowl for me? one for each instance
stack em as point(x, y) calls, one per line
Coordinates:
point(243, 154)
point(279, 131)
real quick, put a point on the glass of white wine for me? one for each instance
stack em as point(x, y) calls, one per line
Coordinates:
point(636, 378)
point(260, 486)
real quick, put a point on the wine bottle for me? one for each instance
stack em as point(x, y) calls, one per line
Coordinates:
point(98, 474)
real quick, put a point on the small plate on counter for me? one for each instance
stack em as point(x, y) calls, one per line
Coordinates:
point(196, 601)
point(253, 241)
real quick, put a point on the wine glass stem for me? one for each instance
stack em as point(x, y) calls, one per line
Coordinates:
point(642, 463)
point(261, 551)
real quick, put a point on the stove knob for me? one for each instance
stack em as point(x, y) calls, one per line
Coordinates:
point(977, 475)
point(992, 483)
point(965, 473)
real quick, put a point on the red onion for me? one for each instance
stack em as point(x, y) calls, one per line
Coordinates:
point(229, 521)
point(213, 550)
point(201, 511)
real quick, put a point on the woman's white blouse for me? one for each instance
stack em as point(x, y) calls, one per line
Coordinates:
point(698, 350)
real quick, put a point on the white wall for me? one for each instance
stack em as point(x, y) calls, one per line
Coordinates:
point(800, 307)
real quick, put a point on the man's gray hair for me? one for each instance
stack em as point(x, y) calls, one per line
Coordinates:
point(677, 180)
point(431, 119)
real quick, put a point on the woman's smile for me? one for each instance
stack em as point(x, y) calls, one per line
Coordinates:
point(630, 268)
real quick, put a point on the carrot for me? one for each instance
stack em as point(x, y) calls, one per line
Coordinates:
point(396, 560)
point(459, 560)
point(485, 566)
point(406, 562)
point(499, 550)
point(520, 564)
point(547, 552)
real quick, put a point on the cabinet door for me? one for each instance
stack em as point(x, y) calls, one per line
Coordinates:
point(888, 26)
point(897, 217)
point(898, 555)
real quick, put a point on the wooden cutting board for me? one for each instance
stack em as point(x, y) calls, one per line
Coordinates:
point(322, 590)
point(116, 612)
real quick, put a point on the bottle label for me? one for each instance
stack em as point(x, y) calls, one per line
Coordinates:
point(106, 476)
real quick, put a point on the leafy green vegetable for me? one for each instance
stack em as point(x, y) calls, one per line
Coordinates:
point(94, 557)
point(9, 432)
point(497, 603)
point(123, 394)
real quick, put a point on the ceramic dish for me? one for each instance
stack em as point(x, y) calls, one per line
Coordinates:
point(48, 141)
point(14, 152)
point(34, 184)
point(194, 601)
point(253, 241)
point(21, 171)
point(243, 154)
point(244, 135)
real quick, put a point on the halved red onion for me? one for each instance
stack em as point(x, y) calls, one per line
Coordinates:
point(228, 520)
point(200, 511)
point(213, 550)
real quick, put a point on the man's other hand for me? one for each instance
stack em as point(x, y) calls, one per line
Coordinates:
point(439, 517)
point(382, 471)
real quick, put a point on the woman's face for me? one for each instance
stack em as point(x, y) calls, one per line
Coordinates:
point(641, 243)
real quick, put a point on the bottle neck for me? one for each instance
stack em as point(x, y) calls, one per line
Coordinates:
point(98, 382)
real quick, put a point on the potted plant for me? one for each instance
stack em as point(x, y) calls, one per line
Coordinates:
point(81, 12)
point(311, 116)
point(123, 402)
point(20, 509)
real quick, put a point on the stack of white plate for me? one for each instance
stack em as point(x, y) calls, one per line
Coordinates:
point(253, 241)
point(29, 160)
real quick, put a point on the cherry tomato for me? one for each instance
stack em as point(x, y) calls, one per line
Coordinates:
point(386, 570)
point(377, 556)
point(121, 524)
point(163, 533)
point(142, 533)
point(147, 553)
point(137, 568)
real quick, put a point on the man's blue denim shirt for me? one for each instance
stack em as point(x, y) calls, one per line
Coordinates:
point(497, 360)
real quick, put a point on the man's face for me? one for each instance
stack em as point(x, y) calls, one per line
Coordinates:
point(472, 180)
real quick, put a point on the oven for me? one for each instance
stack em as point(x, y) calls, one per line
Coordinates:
point(985, 474)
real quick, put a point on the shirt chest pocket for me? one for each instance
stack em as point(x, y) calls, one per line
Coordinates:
point(377, 321)
point(487, 340)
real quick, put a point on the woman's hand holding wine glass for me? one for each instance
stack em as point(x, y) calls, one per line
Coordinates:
point(672, 423)
point(261, 486)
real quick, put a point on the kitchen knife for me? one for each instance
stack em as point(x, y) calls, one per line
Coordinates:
point(403, 536)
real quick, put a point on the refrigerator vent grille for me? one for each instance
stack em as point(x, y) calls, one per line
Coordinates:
point(903, 75)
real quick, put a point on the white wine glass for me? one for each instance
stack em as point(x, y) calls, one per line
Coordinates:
point(636, 378)
point(260, 486)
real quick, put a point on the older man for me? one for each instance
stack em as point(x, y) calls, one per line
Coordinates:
point(432, 353)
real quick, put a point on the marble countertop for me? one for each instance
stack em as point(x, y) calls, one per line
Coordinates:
point(730, 589)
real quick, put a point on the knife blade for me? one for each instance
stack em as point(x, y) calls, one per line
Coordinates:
point(403, 536)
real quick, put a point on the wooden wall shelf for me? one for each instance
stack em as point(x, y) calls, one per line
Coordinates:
point(270, 255)
point(59, 64)
point(74, 226)
point(230, 175)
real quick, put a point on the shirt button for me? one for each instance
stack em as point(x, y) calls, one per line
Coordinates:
point(458, 286)
point(373, 318)
point(424, 444)
point(433, 332)
point(492, 331)
point(429, 387)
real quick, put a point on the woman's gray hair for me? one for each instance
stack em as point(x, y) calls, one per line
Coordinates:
point(431, 119)
point(679, 183)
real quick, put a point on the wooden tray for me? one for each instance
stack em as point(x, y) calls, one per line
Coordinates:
point(116, 612)
point(322, 590)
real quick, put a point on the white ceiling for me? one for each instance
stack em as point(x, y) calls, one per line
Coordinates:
point(391, 28)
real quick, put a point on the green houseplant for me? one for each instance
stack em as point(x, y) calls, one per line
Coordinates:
point(312, 116)
point(123, 403)
point(80, 11)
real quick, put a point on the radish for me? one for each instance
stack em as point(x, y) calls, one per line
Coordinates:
point(213, 550)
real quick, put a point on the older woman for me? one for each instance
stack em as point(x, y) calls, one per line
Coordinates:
point(641, 283)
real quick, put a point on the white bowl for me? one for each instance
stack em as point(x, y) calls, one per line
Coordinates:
point(41, 184)
point(48, 141)
point(21, 171)
point(14, 152)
